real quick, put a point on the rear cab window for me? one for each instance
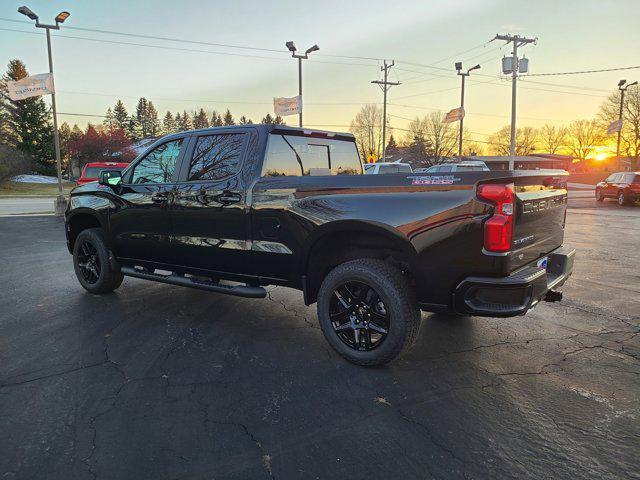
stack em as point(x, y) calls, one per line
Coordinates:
point(298, 155)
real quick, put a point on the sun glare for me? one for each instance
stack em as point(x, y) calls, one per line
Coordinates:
point(601, 156)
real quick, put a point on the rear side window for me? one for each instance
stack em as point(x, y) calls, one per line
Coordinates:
point(444, 169)
point(216, 156)
point(159, 164)
point(388, 169)
point(468, 168)
point(291, 155)
point(404, 169)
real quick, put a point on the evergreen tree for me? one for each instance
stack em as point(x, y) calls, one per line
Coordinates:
point(200, 119)
point(245, 121)
point(120, 115)
point(168, 123)
point(109, 120)
point(177, 122)
point(132, 128)
point(64, 134)
point(142, 110)
point(269, 120)
point(392, 146)
point(216, 119)
point(26, 124)
point(228, 118)
point(186, 122)
point(153, 124)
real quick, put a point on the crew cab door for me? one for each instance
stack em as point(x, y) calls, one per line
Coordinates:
point(140, 224)
point(210, 222)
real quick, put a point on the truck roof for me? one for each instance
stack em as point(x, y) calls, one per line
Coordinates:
point(282, 129)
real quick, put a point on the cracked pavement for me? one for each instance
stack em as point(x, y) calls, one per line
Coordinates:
point(162, 382)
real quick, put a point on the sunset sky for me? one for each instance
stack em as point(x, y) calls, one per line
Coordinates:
point(91, 75)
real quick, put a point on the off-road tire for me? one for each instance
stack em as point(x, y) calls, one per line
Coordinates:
point(398, 298)
point(109, 277)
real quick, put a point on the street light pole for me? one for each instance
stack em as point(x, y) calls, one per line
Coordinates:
point(622, 86)
point(463, 75)
point(56, 137)
point(292, 48)
point(60, 203)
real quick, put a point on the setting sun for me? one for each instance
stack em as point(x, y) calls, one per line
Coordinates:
point(601, 156)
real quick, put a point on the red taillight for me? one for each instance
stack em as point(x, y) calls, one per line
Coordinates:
point(498, 229)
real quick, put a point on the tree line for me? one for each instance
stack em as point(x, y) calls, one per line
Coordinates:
point(429, 141)
point(144, 122)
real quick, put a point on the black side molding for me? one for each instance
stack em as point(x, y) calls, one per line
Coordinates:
point(247, 291)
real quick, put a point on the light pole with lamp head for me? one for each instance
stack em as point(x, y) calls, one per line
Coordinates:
point(60, 18)
point(292, 48)
point(463, 75)
point(622, 86)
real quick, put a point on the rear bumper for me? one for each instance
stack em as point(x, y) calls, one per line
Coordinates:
point(517, 293)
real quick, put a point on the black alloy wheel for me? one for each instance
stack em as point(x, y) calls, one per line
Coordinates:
point(358, 316)
point(89, 262)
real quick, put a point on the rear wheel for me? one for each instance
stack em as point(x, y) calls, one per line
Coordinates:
point(622, 199)
point(599, 195)
point(367, 312)
point(94, 264)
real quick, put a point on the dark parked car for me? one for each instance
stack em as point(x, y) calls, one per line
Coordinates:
point(623, 186)
point(234, 209)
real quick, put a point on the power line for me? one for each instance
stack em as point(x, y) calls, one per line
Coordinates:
point(195, 42)
point(584, 71)
point(162, 47)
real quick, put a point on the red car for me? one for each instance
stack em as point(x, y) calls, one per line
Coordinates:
point(624, 186)
point(91, 171)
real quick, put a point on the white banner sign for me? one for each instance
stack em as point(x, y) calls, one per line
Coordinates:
point(454, 115)
point(33, 86)
point(614, 127)
point(287, 106)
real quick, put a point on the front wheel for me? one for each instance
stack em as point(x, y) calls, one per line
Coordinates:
point(367, 312)
point(94, 263)
point(622, 199)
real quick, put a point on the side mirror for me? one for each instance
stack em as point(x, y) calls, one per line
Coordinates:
point(110, 178)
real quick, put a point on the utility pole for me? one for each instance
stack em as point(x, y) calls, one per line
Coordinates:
point(385, 85)
point(463, 75)
point(60, 203)
point(622, 86)
point(292, 48)
point(518, 41)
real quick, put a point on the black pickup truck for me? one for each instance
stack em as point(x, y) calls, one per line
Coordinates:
point(233, 209)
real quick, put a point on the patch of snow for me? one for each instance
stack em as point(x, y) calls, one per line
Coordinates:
point(34, 179)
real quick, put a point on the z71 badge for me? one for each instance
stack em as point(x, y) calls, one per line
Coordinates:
point(434, 180)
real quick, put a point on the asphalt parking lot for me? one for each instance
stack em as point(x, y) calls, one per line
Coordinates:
point(159, 382)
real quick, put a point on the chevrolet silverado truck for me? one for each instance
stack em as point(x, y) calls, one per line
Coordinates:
point(234, 209)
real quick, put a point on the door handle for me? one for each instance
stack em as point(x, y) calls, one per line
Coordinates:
point(228, 197)
point(159, 198)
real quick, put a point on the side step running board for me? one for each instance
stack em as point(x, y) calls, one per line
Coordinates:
point(173, 279)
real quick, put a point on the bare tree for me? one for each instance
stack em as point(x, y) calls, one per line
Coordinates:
point(441, 137)
point(526, 139)
point(552, 138)
point(584, 136)
point(367, 128)
point(630, 135)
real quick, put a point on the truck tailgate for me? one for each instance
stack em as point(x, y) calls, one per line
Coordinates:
point(540, 212)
